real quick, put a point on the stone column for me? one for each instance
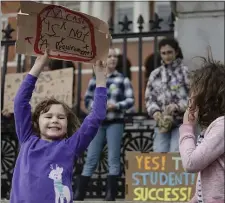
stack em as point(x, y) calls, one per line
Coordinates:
point(84, 7)
point(106, 11)
point(141, 8)
point(101, 10)
point(200, 24)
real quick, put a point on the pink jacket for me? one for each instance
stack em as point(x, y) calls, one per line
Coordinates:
point(207, 159)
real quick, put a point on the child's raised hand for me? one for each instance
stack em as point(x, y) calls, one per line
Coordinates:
point(111, 106)
point(165, 123)
point(171, 108)
point(42, 60)
point(39, 64)
point(100, 71)
point(6, 113)
point(190, 116)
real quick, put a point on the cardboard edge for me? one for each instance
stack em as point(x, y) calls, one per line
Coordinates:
point(20, 19)
point(32, 7)
point(20, 44)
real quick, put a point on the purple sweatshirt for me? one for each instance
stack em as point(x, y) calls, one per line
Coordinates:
point(207, 159)
point(43, 171)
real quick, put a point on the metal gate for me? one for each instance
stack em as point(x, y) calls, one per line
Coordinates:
point(139, 127)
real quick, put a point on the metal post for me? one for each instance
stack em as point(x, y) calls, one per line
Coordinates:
point(4, 70)
point(125, 56)
point(140, 75)
point(32, 61)
point(155, 51)
point(18, 70)
point(79, 88)
point(24, 65)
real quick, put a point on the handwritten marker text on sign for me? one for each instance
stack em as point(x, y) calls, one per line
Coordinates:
point(72, 26)
point(151, 163)
point(162, 178)
point(163, 194)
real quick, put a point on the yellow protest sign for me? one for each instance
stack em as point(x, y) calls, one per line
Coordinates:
point(158, 177)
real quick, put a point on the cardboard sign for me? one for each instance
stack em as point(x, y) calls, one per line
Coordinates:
point(70, 35)
point(57, 84)
point(158, 177)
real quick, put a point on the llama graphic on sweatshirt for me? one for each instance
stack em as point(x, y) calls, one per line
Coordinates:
point(61, 191)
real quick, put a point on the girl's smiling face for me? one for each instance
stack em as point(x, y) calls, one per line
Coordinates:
point(53, 123)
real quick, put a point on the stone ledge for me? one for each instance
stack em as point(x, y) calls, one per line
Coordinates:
point(198, 6)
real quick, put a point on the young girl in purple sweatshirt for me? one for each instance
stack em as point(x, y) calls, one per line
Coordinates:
point(207, 108)
point(50, 143)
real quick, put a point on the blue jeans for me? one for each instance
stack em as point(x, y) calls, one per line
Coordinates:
point(166, 142)
point(113, 134)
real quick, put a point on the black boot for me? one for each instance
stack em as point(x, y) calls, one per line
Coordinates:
point(81, 187)
point(111, 190)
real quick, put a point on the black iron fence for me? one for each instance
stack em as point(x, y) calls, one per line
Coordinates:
point(139, 127)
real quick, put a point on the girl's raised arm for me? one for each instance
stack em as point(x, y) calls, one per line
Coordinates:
point(22, 108)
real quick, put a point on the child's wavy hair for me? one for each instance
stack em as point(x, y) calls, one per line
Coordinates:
point(45, 105)
point(207, 90)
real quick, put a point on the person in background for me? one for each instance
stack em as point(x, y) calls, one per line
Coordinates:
point(119, 68)
point(166, 96)
point(120, 98)
point(150, 64)
point(207, 109)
